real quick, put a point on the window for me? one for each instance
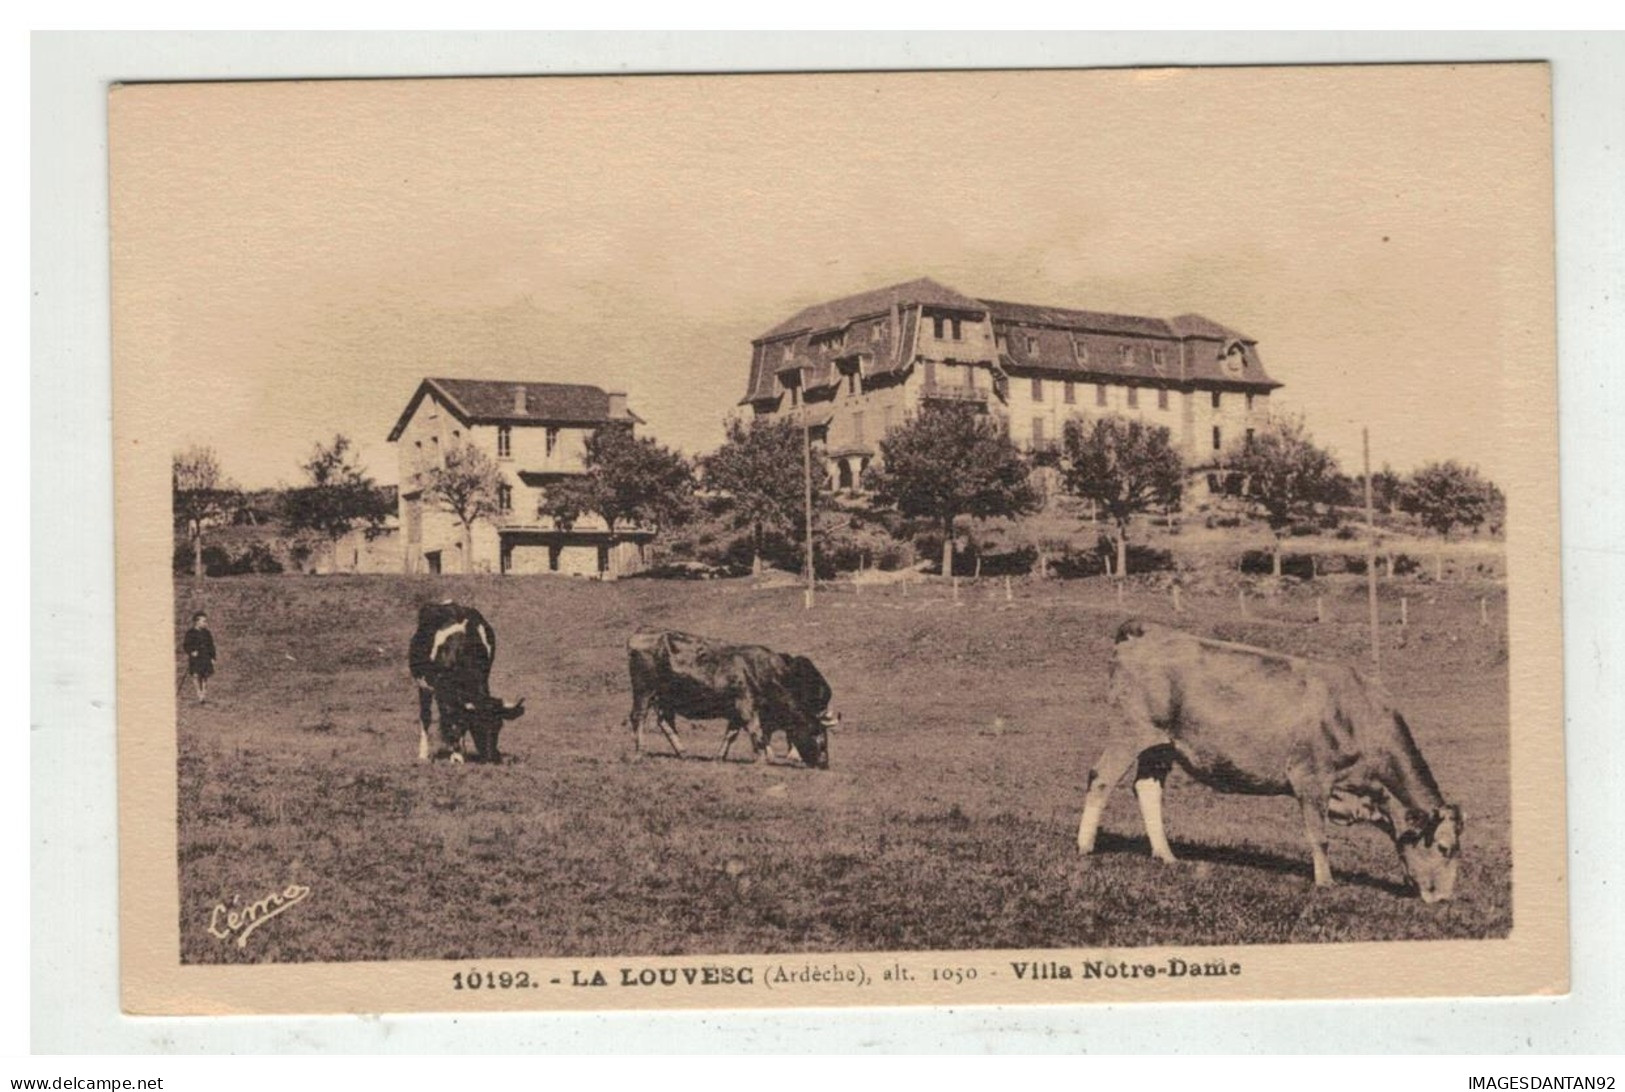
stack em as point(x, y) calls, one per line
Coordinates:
point(552, 440)
point(1217, 397)
point(505, 497)
point(1156, 359)
point(456, 434)
point(1038, 432)
point(1081, 349)
point(1128, 356)
point(852, 382)
point(877, 330)
point(1071, 392)
point(1218, 442)
point(1249, 401)
point(1100, 394)
point(1001, 343)
point(1032, 345)
point(937, 324)
point(504, 442)
point(1134, 398)
point(1162, 397)
point(1248, 441)
point(1038, 389)
point(943, 326)
point(957, 334)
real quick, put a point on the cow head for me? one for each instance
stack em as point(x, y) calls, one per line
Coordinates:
point(811, 694)
point(1430, 850)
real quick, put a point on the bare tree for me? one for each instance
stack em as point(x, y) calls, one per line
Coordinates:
point(466, 484)
point(202, 496)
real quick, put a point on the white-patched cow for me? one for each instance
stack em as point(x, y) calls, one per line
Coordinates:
point(1247, 720)
point(450, 658)
point(758, 691)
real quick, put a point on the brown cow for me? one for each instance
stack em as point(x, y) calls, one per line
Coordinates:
point(1247, 720)
point(758, 691)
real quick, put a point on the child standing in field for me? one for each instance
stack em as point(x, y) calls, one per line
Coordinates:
point(200, 655)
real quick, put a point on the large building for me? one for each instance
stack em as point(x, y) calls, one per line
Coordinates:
point(854, 367)
point(536, 433)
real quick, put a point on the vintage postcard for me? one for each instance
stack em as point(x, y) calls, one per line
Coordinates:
point(837, 539)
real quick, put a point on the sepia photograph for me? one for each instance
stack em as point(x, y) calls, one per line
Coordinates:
point(837, 539)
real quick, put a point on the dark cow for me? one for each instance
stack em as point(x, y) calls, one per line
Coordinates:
point(1247, 720)
point(755, 689)
point(450, 660)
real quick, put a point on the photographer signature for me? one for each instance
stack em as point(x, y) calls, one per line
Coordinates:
point(239, 922)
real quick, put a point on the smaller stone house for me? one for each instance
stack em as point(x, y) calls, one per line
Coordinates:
point(537, 433)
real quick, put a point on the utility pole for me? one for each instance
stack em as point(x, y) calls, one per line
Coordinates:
point(1371, 556)
point(806, 475)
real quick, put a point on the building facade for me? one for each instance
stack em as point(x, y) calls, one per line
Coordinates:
point(537, 434)
point(854, 367)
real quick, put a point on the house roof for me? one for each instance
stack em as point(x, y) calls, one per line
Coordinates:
point(496, 401)
point(1098, 321)
point(834, 314)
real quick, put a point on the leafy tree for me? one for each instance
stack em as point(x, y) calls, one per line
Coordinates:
point(761, 468)
point(467, 485)
point(1448, 495)
point(949, 461)
point(1284, 473)
point(202, 496)
point(627, 481)
point(340, 497)
point(1125, 466)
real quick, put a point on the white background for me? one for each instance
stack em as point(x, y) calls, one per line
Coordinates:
point(73, 845)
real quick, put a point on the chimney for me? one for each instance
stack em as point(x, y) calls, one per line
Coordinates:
point(519, 407)
point(617, 405)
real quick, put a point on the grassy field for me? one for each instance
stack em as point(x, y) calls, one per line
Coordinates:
point(946, 821)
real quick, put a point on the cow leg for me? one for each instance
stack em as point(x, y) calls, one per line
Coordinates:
point(1312, 800)
point(1155, 762)
point(1107, 771)
point(668, 726)
point(728, 739)
point(425, 716)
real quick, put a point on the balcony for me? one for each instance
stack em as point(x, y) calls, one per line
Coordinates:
point(938, 392)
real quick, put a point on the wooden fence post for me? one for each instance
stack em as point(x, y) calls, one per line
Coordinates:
point(1241, 597)
point(1320, 609)
point(1404, 611)
point(1483, 610)
point(1177, 608)
point(1007, 596)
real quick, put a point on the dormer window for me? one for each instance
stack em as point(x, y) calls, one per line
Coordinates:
point(1128, 356)
point(1156, 359)
point(1032, 345)
point(1081, 350)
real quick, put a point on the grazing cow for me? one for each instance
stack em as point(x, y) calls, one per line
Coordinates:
point(1247, 720)
point(753, 688)
point(450, 659)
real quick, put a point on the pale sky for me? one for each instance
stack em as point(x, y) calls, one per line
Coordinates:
point(290, 259)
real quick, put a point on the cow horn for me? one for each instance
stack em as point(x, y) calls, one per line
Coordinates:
point(829, 720)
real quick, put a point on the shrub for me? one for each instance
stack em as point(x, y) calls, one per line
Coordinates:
point(258, 558)
point(216, 562)
point(1261, 563)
